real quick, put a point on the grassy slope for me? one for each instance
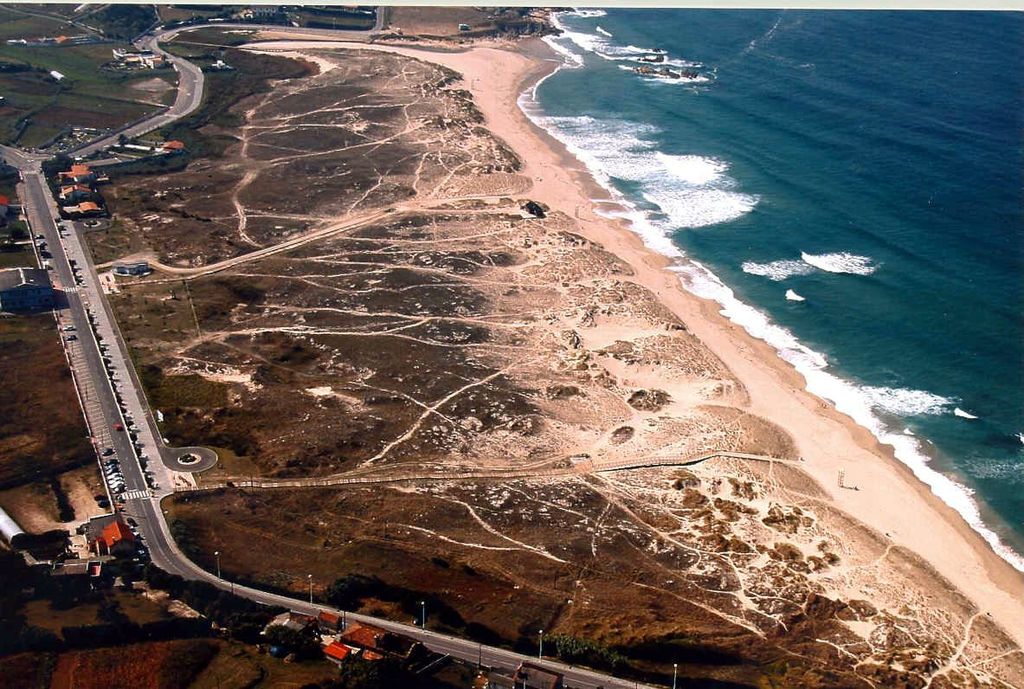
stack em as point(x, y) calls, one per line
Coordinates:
point(88, 96)
point(42, 431)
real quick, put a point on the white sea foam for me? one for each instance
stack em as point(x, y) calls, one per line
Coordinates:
point(846, 397)
point(588, 13)
point(689, 191)
point(907, 431)
point(600, 45)
point(963, 415)
point(793, 296)
point(1007, 472)
point(906, 402)
point(618, 149)
point(679, 81)
point(840, 263)
point(778, 270)
point(1020, 437)
point(570, 59)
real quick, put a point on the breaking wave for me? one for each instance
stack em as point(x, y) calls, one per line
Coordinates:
point(906, 402)
point(694, 191)
point(588, 14)
point(793, 296)
point(778, 270)
point(963, 415)
point(840, 263)
point(600, 45)
point(681, 81)
point(687, 191)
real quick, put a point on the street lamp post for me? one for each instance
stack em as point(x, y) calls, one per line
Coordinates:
point(310, 577)
point(540, 649)
point(423, 614)
point(675, 670)
point(216, 554)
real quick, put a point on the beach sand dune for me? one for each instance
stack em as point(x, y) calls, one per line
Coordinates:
point(563, 338)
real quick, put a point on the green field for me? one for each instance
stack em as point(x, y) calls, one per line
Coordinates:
point(88, 96)
point(16, 256)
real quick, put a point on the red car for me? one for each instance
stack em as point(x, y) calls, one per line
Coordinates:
point(118, 427)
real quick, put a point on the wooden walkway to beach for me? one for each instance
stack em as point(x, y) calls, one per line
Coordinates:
point(543, 469)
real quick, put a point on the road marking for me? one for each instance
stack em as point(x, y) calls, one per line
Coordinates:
point(136, 495)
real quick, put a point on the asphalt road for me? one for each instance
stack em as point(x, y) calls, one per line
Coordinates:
point(190, 95)
point(40, 209)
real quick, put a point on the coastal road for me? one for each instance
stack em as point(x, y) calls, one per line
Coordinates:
point(191, 79)
point(88, 300)
point(81, 301)
point(188, 99)
point(165, 554)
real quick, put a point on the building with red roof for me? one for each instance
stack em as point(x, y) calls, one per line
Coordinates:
point(376, 642)
point(328, 621)
point(114, 538)
point(174, 145)
point(337, 652)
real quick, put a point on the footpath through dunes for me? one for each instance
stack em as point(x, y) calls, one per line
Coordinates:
point(460, 334)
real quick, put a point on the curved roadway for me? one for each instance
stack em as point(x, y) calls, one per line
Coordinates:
point(147, 510)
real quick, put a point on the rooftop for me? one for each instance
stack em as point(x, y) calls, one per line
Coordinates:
point(336, 650)
point(535, 677)
point(15, 278)
point(115, 532)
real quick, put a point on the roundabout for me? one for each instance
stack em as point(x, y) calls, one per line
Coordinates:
point(188, 459)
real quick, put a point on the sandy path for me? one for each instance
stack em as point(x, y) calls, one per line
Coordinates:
point(891, 500)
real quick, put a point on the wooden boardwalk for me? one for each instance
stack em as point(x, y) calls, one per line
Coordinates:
point(543, 469)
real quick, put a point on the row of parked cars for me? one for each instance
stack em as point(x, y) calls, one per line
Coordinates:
point(112, 471)
point(111, 468)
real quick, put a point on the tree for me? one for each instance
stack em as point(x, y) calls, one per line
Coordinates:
point(387, 673)
point(302, 644)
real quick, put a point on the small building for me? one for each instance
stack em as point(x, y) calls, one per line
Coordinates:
point(132, 268)
point(92, 569)
point(85, 209)
point(57, 76)
point(75, 193)
point(9, 528)
point(5, 204)
point(144, 59)
point(375, 642)
point(109, 535)
point(328, 621)
point(173, 145)
point(530, 676)
point(337, 652)
point(263, 11)
point(296, 621)
point(25, 289)
point(78, 174)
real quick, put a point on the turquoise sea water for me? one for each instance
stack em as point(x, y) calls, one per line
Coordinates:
point(868, 163)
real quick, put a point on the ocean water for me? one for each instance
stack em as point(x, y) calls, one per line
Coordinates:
point(849, 186)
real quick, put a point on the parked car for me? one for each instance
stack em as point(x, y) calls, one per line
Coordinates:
point(107, 451)
point(118, 427)
point(71, 338)
point(68, 328)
